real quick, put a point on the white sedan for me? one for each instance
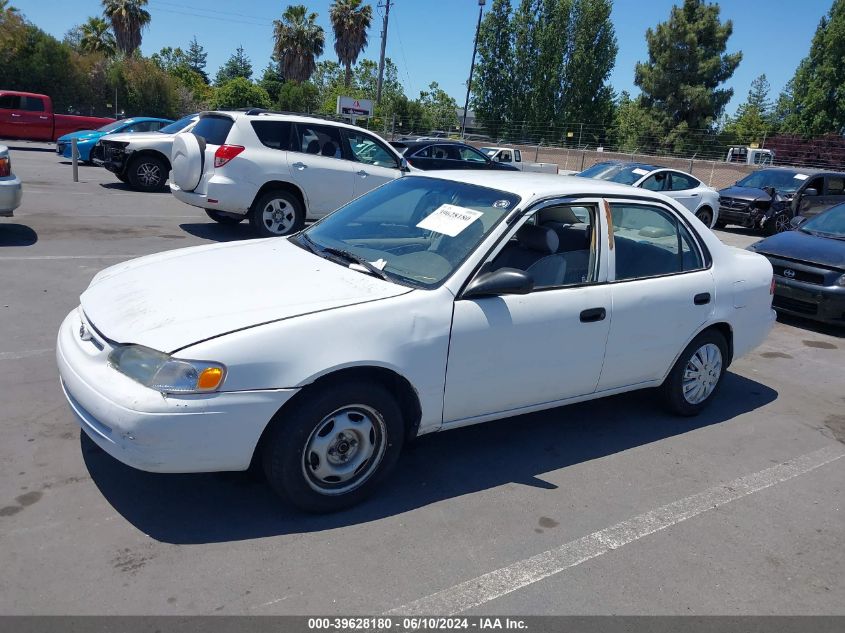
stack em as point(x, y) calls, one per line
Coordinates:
point(702, 200)
point(430, 303)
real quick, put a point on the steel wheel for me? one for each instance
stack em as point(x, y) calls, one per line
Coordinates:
point(344, 450)
point(278, 216)
point(701, 374)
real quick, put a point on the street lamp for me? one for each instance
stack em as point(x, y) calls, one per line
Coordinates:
point(472, 66)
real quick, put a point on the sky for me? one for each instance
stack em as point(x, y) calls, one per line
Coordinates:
point(432, 40)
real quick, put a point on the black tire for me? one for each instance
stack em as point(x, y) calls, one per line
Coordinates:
point(326, 412)
point(673, 387)
point(777, 224)
point(122, 177)
point(147, 173)
point(705, 214)
point(291, 215)
point(720, 224)
point(224, 218)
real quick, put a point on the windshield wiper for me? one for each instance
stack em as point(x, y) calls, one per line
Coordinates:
point(357, 259)
point(308, 243)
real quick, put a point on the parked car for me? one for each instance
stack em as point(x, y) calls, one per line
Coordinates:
point(29, 116)
point(513, 156)
point(87, 140)
point(768, 199)
point(433, 302)
point(142, 160)
point(702, 200)
point(809, 266)
point(750, 156)
point(11, 190)
point(276, 169)
point(439, 154)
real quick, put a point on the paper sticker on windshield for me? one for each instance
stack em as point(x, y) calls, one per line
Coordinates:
point(449, 219)
point(801, 176)
point(641, 172)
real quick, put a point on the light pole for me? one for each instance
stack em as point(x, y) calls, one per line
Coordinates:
point(472, 67)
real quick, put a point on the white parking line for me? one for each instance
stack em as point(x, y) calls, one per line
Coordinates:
point(500, 582)
point(24, 354)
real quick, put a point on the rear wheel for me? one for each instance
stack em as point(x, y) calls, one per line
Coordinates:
point(224, 218)
point(697, 374)
point(705, 214)
point(147, 173)
point(277, 213)
point(332, 448)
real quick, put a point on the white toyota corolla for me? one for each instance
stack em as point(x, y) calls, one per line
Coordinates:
point(430, 303)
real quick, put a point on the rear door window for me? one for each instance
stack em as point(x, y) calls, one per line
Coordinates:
point(274, 134)
point(321, 140)
point(214, 129)
point(682, 182)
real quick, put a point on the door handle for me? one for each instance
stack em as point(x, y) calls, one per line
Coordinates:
point(16, 115)
point(362, 173)
point(44, 118)
point(693, 195)
point(593, 314)
point(299, 166)
point(701, 299)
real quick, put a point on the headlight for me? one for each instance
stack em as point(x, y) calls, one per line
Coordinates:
point(164, 373)
point(841, 281)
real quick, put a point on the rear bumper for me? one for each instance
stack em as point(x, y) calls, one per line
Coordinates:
point(146, 430)
point(222, 194)
point(11, 193)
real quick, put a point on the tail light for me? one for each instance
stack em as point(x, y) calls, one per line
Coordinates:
point(225, 153)
point(5, 166)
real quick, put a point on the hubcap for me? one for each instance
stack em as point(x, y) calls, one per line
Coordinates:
point(702, 373)
point(344, 450)
point(278, 216)
point(149, 174)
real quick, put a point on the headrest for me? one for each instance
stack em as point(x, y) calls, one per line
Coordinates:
point(538, 238)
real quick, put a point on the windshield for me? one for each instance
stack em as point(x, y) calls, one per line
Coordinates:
point(783, 180)
point(625, 174)
point(490, 151)
point(415, 230)
point(828, 224)
point(111, 127)
point(178, 126)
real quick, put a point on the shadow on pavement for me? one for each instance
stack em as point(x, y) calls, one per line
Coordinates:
point(222, 507)
point(17, 235)
point(812, 326)
point(27, 148)
point(220, 232)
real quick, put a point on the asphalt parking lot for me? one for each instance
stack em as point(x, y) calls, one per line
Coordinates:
point(610, 507)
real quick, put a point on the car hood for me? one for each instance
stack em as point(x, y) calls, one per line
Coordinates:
point(745, 193)
point(82, 135)
point(137, 136)
point(804, 247)
point(170, 300)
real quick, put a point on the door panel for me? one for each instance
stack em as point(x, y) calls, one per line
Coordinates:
point(317, 167)
point(521, 350)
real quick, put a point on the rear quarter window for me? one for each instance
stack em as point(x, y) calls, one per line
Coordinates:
point(214, 129)
point(275, 134)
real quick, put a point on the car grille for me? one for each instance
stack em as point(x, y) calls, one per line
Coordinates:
point(734, 203)
point(110, 150)
point(794, 305)
point(798, 275)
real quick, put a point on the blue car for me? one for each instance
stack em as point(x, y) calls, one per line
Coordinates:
point(86, 140)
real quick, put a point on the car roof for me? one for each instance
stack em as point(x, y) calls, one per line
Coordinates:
point(531, 185)
point(296, 117)
point(635, 164)
point(433, 141)
point(815, 171)
point(141, 119)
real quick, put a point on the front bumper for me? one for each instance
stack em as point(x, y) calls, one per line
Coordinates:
point(820, 303)
point(65, 150)
point(11, 193)
point(149, 431)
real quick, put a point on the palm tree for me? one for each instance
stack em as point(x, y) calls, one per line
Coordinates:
point(128, 19)
point(350, 22)
point(299, 41)
point(97, 37)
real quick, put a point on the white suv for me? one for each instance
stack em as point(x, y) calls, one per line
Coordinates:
point(276, 169)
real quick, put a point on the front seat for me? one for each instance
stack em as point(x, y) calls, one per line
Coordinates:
point(535, 252)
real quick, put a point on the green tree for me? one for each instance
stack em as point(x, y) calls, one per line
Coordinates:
point(128, 19)
point(526, 50)
point(144, 88)
point(631, 124)
point(753, 118)
point(298, 97)
point(350, 22)
point(784, 109)
point(240, 92)
point(819, 100)
point(96, 37)
point(73, 37)
point(272, 80)
point(196, 58)
point(169, 59)
point(299, 41)
point(686, 66)
point(238, 65)
point(439, 109)
point(493, 83)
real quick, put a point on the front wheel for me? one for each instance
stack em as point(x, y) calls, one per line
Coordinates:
point(277, 213)
point(777, 224)
point(224, 218)
point(697, 374)
point(332, 448)
point(147, 173)
point(705, 214)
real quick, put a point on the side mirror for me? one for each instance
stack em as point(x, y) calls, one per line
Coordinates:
point(811, 191)
point(797, 221)
point(504, 281)
point(403, 164)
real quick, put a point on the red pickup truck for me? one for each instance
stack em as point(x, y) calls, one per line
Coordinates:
point(28, 116)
